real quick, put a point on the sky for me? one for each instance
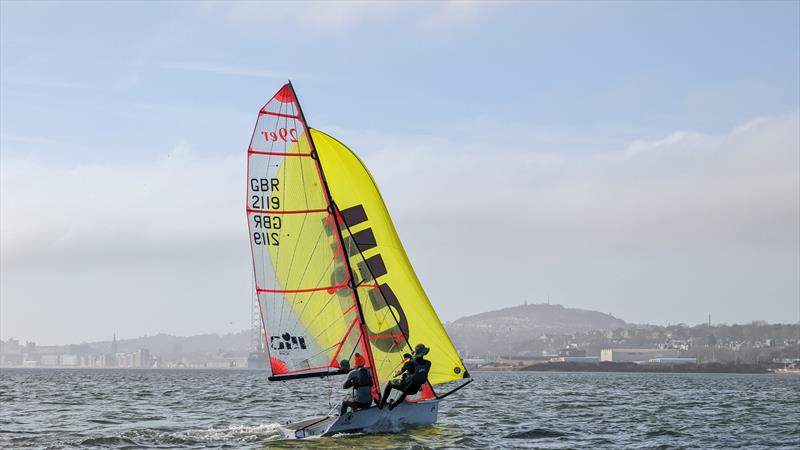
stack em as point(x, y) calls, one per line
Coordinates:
point(640, 159)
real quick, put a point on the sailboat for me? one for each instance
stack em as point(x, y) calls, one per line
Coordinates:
point(331, 276)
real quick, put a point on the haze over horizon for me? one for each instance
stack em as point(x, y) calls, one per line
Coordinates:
point(641, 160)
point(121, 338)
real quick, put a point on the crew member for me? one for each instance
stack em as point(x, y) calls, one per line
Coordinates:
point(360, 380)
point(413, 375)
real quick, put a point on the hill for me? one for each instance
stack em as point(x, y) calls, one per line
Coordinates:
point(506, 330)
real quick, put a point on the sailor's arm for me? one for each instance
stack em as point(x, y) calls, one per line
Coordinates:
point(349, 381)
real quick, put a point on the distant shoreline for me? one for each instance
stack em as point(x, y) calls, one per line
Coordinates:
point(714, 368)
point(629, 367)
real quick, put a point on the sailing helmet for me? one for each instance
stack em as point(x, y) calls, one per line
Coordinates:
point(421, 350)
point(358, 360)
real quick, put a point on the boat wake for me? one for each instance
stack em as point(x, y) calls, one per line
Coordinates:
point(233, 433)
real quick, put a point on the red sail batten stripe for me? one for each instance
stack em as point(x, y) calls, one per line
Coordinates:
point(344, 339)
point(297, 211)
point(387, 336)
point(300, 291)
point(250, 151)
point(347, 311)
point(270, 113)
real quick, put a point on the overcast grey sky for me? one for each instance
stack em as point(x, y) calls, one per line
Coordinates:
point(637, 159)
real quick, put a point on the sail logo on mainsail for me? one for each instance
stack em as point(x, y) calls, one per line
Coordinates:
point(371, 269)
point(287, 342)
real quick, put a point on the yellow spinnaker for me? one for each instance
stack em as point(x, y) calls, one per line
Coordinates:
point(394, 304)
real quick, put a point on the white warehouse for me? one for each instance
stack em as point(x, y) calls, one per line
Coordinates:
point(636, 354)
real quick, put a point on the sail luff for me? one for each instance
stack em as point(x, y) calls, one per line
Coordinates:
point(362, 327)
point(252, 250)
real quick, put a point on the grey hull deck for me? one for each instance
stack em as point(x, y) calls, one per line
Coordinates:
point(367, 420)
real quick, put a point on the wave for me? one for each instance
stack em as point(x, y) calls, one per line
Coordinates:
point(536, 433)
point(107, 441)
point(235, 433)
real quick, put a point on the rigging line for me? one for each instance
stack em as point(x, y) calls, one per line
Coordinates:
point(318, 284)
point(307, 300)
point(324, 350)
point(328, 327)
point(319, 313)
point(310, 259)
point(341, 342)
point(299, 316)
point(327, 303)
point(355, 347)
point(387, 354)
point(386, 358)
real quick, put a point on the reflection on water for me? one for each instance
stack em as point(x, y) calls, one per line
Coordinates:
point(241, 409)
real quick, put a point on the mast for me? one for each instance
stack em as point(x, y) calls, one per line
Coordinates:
point(335, 213)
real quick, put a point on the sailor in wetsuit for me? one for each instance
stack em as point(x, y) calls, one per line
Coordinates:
point(360, 379)
point(414, 374)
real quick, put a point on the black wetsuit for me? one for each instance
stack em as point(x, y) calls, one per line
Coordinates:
point(361, 381)
point(414, 375)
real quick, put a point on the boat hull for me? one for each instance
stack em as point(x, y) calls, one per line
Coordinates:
point(367, 420)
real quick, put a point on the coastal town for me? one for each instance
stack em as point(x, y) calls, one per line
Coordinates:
point(552, 338)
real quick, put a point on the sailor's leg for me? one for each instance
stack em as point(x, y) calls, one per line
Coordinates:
point(398, 401)
point(348, 402)
point(385, 395)
point(388, 390)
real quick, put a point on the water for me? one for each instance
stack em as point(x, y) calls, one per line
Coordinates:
point(240, 409)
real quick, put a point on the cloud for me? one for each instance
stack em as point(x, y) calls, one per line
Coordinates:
point(99, 214)
point(662, 230)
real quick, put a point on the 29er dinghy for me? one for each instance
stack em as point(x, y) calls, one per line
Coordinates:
point(331, 275)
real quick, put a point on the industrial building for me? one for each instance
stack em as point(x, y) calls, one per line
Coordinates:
point(636, 354)
point(576, 359)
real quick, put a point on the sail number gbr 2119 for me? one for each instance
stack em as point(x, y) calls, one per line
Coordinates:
point(263, 197)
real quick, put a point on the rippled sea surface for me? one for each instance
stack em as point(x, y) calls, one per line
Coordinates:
point(241, 409)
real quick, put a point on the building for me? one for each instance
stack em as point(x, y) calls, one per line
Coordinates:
point(577, 359)
point(636, 354)
point(672, 361)
point(572, 351)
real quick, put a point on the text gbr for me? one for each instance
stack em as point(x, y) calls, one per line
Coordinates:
point(263, 198)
